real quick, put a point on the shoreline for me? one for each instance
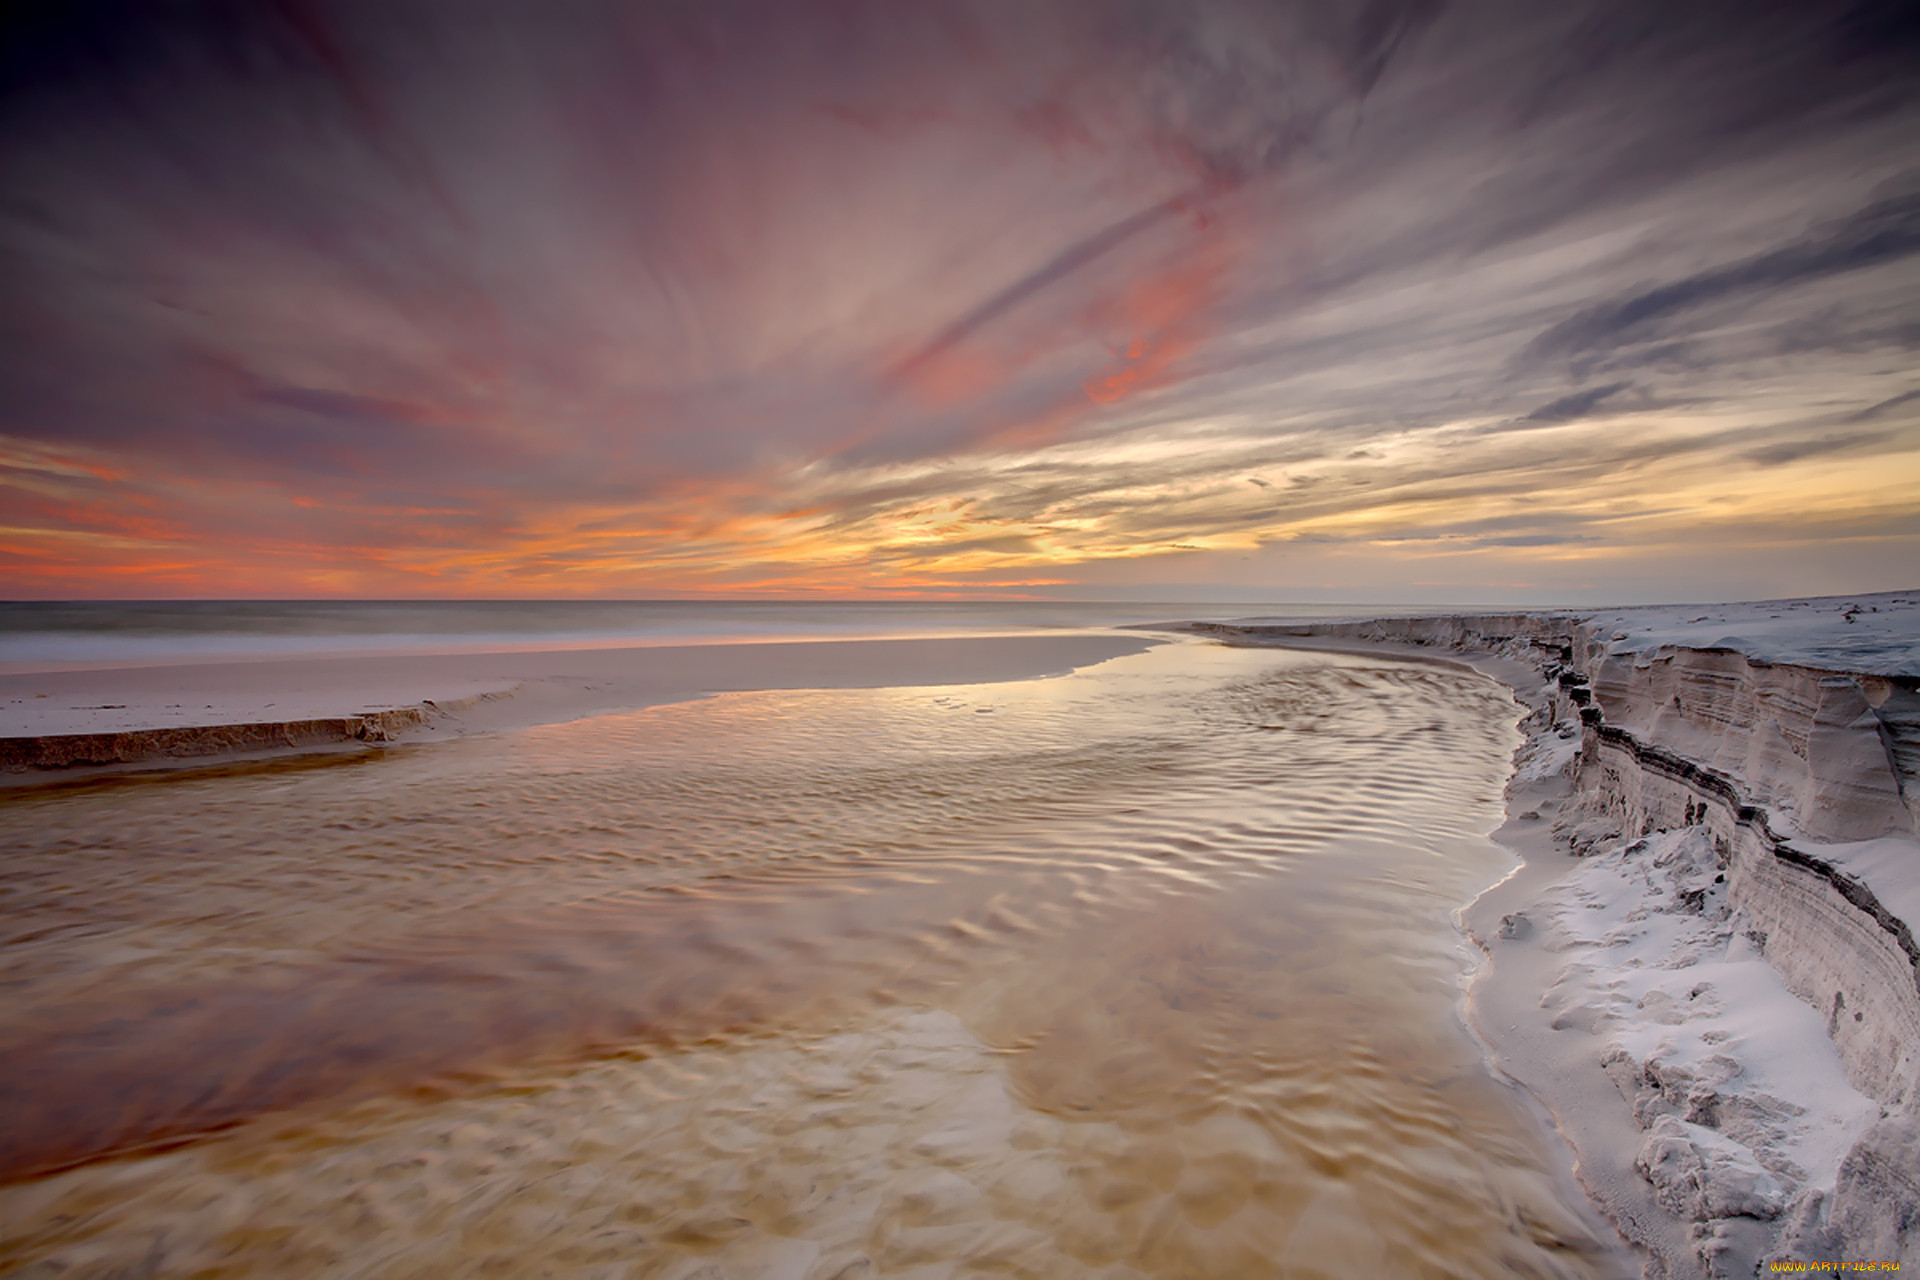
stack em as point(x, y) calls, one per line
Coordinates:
point(1729, 1132)
point(1504, 1006)
point(67, 723)
point(1497, 1000)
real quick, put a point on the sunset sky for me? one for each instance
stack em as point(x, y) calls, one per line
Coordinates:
point(1395, 300)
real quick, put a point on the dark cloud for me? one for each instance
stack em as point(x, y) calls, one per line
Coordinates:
point(343, 406)
point(1531, 540)
point(1379, 30)
point(1063, 264)
point(1776, 455)
point(1879, 234)
point(1577, 404)
point(1884, 406)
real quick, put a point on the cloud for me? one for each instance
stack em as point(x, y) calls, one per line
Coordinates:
point(643, 297)
point(1883, 232)
point(1775, 455)
point(1531, 540)
point(1884, 406)
point(344, 406)
point(1578, 404)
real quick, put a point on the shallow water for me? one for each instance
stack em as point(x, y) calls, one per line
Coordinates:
point(1147, 970)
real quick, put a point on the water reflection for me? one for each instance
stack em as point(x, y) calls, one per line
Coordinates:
point(1143, 971)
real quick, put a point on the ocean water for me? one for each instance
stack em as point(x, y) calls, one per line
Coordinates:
point(1145, 971)
point(37, 635)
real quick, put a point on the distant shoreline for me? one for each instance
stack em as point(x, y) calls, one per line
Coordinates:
point(59, 722)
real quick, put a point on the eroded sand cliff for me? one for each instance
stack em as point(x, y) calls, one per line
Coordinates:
point(1746, 788)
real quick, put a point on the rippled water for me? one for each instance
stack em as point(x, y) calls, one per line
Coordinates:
point(1144, 971)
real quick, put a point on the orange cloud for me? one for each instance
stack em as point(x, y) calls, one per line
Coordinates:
point(956, 376)
point(1160, 320)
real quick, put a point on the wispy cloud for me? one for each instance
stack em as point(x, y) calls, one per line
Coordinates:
point(1882, 233)
point(1577, 404)
point(855, 297)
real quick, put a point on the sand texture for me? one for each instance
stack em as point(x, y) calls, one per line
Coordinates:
point(1147, 970)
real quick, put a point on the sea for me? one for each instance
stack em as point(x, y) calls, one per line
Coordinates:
point(1147, 970)
point(54, 635)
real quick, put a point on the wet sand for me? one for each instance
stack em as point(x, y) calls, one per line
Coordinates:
point(1147, 970)
point(1559, 1065)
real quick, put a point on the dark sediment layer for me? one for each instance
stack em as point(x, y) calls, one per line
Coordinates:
point(132, 746)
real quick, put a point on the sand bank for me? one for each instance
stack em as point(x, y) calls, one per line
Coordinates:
point(1705, 967)
point(61, 719)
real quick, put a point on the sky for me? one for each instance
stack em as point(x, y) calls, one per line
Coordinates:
point(1431, 300)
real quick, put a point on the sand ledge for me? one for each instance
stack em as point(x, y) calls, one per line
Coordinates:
point(79, 750)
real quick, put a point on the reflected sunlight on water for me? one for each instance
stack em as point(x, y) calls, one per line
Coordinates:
point(1148, 970)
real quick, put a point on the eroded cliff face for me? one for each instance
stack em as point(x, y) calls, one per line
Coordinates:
point(1830, 755)
point(1779, 762)
point(1807, 782)
point(1839, 947)
point(1787, 767)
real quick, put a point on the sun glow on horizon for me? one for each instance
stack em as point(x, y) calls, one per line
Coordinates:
point(1246, 297)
